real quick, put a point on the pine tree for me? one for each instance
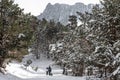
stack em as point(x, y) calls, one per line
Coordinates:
point(16, 29)
point(105, 33)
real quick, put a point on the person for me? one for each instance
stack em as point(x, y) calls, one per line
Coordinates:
point(49, 71)
point(65, 71)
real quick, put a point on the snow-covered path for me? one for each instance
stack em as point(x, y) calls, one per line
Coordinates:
point(16, 71)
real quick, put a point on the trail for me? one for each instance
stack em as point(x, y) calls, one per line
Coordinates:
point(16, 71)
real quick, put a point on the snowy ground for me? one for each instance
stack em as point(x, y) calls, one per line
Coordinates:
point(16, 71)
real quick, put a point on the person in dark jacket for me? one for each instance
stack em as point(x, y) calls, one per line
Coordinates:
point(49, 71)
point(65, 71)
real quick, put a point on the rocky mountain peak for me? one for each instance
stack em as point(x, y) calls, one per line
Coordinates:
point(61, 12)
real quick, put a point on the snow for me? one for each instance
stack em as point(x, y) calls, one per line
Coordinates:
point(16, 71)
point(118, 55)
point(92, 20)
point(56, 47)
point(21, 35)
point(96, 49)
point(116, 71)
point(52, 47)
point(107, 64)
point(117, 43)
point(79, 23)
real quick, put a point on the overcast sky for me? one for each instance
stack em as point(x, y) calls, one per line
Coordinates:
point(37, 6)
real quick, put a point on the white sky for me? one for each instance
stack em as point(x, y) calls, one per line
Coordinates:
point(37, 6)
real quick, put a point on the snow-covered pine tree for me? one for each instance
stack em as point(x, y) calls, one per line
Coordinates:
point(16, 30)
point(105, 28)
point(76, 47)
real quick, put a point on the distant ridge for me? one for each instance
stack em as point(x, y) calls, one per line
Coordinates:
point(61, 12)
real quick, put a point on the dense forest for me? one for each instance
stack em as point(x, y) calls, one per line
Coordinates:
point(17, 31)
point(92, 46)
